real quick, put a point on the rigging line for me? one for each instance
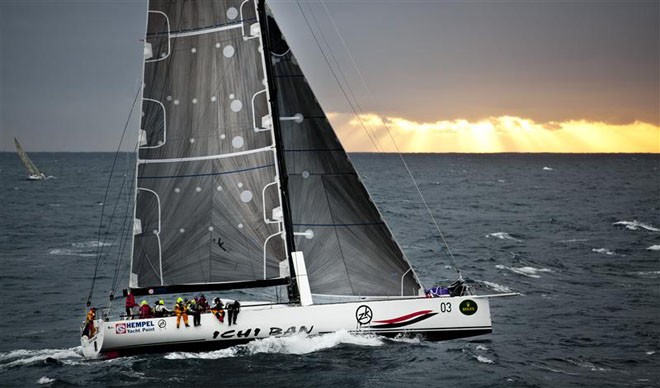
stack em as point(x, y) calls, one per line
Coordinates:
point(344, 78)
point(105, 197)
point(335, 75)
point(370, 95)
point(125, 228)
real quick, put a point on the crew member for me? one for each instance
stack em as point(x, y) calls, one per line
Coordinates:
point(130, 305)
point(160, 310)
point(180, 310)
point(196, 313)
point(145, 310)
point(89, 330)
point(233, 309)
point(217, 310)
point(203, 304)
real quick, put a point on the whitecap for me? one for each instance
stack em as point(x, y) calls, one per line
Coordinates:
point(69, 252)
point(90, 244)
point(406, 339)
point(482, 347)
point(653, 248)
point(650, 352)
point(602, 250)
point(45, 380)
point(495, 286)
point(546, 168)
point(295, 344)
point(574, 240)
point(484, 360)
point(645, 273)
point(502, 236)
point(26, 356)
point(525, 271)
point(635, 225)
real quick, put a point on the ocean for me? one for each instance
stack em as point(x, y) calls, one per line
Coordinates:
point(577, 235)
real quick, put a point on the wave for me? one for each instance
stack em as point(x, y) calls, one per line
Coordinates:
point(495, 286)
point(546, 168)
point(603, 250)
point(90, 244)
point(69, 252)
point(653, 248)
point(26, 356)
point(45, 380)
point(502, 236)
point(646, 273)
point(635, 225)
point(295, 344)
point(525, 271)
point(574, 240)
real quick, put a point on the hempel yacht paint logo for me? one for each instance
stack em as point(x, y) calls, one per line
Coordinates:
point(468, 307)
point(134, 327)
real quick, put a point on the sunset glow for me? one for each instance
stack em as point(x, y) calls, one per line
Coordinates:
point(494, 134)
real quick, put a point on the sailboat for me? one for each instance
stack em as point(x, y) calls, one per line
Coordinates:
point(33, 172)
point(241, 183)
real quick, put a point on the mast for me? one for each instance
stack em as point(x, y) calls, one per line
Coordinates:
point(293, 293)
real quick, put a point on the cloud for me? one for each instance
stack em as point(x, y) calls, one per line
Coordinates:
point(368, 133)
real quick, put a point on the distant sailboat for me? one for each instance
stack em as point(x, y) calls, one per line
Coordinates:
point(33, 172)
point(242, 183)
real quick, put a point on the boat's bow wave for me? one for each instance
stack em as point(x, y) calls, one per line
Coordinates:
point(22, 357)
point(296, 344)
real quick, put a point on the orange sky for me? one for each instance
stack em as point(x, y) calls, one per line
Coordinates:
point(494, 134)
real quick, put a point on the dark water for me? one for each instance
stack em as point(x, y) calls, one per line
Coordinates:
point(576, 238)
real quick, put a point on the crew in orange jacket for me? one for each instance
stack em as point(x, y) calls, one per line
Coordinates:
point(180, 310)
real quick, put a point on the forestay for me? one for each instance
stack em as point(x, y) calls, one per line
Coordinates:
point(348, 248)
point(207, 177)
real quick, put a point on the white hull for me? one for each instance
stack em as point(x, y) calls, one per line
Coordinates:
point(433, 318)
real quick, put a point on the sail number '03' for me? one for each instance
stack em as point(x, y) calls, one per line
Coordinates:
point(445, 307)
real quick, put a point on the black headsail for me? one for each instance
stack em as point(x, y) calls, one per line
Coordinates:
point(208, 204)
point(348, 248)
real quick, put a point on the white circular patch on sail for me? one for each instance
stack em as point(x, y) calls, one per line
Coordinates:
point(176, 102)
point(177, 190)
point(210, 229)
point(305, 174)
point(309, 234)
point(240, 226)
point(213, 98)
point(181, 230)
point(246, 196)
point(194, 101)
point(198, 189)
point(223, 136)
point(231, 96)
point(232, 13)
point(168, 98)
point(193, 50)
point(228, 51)
point(239, 184)
point(237, 142)
point(191, 140)
point(155, 231)
point(236, 105)
point(219, 188)
point(217, 45)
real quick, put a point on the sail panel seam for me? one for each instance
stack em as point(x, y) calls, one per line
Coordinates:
point(207, 174)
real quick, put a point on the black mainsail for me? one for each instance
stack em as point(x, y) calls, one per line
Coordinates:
point(210, 174)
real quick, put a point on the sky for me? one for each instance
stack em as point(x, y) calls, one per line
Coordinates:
point(435, 76)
